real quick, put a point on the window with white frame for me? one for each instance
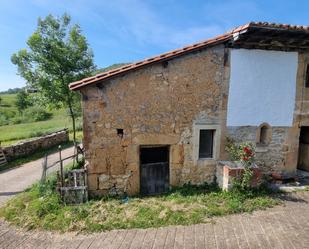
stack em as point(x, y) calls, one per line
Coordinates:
point(206, 143)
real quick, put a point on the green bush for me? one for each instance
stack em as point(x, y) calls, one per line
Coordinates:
point(35, 113)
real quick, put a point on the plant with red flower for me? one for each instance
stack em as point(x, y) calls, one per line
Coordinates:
point(242, 152)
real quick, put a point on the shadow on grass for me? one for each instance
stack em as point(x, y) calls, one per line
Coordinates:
point(292, 197)
point(10, 193)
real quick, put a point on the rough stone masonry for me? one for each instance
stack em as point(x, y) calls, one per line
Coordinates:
point(158, 105)
point(169, 99)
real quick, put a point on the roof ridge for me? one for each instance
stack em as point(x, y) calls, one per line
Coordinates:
point(152, 59)
point(173, 53)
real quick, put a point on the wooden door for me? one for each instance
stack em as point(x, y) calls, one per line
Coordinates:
point(154, 170)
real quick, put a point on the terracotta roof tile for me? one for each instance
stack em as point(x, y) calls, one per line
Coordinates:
point(171, 54)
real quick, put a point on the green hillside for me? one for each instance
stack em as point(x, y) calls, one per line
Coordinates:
point(13, 127)
point(7, 105)
point(13, 133)
point(111, 67)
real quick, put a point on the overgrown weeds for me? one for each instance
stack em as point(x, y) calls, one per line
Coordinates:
point(41, 207)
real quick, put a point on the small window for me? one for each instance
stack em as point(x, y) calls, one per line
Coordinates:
point(264, 134)
point(206, 143)
point(307, 77)
point(120, 132)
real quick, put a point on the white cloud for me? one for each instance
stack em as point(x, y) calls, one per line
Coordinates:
point(138, 21)
point(193, 35)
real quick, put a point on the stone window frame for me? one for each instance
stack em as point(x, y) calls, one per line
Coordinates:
point(268, 134)
point(196, 141)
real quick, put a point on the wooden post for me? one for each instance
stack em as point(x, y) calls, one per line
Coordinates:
point(44, 169)
point(74, 152)
point(61, 167)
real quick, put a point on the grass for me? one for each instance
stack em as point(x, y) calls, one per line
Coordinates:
point(13, 133)
point(7, 105)
point(41, 208)
point(10, 134)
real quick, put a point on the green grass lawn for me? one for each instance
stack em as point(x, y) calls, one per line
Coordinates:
point(41, 208)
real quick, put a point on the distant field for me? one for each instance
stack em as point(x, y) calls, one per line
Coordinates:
point(10, 134)
point(7, 104)
point(13, 133)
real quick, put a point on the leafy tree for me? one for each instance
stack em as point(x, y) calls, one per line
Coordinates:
point(0, 100)
point(22, 101)
point(58, 54)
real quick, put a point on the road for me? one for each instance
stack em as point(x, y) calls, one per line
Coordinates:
point(16, 180)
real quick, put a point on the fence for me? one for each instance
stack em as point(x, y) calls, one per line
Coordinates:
point(71, 183)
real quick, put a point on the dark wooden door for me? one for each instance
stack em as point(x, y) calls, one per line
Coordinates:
point(154, 170)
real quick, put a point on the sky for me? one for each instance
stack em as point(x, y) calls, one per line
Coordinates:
point(131, 30)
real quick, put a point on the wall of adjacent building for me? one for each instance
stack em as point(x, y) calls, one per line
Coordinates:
point(259, 81)
point(276, 95)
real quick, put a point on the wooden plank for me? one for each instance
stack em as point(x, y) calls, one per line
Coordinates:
point(3, 160)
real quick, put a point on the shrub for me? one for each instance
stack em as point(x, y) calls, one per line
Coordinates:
point(36, 113)
point(242, 152)
point(245, 154)
point(22, 101)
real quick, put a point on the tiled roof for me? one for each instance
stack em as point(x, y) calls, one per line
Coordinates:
point(279, 26)
point(175, 53)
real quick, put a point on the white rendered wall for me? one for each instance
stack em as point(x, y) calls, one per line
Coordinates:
point(262, 87)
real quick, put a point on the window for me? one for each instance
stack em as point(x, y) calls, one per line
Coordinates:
point(120, 133)
point(264, 134)
point(307, 77)
point(206, 143)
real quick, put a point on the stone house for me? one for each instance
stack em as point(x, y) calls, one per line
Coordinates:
point(163, 121)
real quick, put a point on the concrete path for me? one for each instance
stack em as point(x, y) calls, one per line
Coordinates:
point(285, 226)
point(16, 180)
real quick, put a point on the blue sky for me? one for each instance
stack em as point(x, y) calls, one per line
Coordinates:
point(130, 30)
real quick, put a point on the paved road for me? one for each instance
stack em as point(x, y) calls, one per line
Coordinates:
point(285, 226)
point(16, 180)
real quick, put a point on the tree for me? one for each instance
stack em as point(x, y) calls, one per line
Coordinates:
point(58, 54)
point(22, 101)
point(0, 100)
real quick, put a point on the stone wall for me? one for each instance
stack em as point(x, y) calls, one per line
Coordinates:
point(156, 105)
point(30, 146)
point(270, 157)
